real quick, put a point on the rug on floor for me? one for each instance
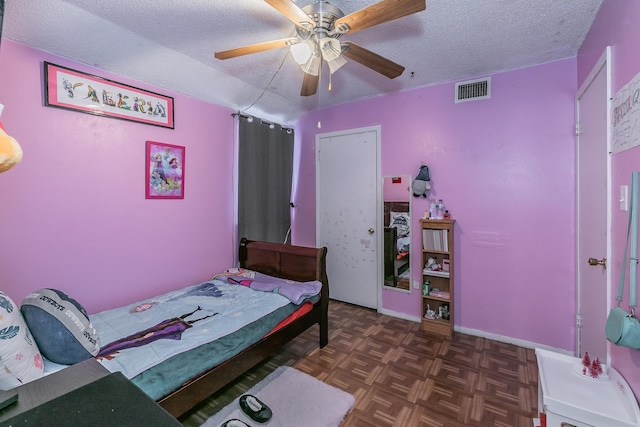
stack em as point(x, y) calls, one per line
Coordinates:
point(295, 398)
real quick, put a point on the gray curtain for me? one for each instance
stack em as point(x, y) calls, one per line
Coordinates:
point(265, 167)
point(1, 16)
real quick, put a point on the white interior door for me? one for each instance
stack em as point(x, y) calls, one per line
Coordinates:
point(592, 103)
point(347, 190)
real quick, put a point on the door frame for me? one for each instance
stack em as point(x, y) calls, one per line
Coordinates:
point(378, 183)
point(604, 62)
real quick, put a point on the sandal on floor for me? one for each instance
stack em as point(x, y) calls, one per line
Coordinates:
point(235, 423)
point(255, 409)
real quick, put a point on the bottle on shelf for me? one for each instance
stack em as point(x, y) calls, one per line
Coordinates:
point(432, 209)
point(440, 209)
point(436, 209)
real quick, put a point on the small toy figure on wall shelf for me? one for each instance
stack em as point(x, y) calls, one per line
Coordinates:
point(444, 312)
point(429, 314)
point(432, 265)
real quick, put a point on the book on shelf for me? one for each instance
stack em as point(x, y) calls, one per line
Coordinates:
point(435, 240)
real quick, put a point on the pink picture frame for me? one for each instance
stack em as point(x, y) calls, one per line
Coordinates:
point(164, 171)
point(86, 93)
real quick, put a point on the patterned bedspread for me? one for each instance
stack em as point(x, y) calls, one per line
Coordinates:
point(139, 336)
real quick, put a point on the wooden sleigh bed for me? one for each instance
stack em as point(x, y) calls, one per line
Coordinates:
point(283, 261)
point(181, 347)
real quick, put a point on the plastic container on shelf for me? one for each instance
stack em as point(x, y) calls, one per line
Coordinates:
point(440, 209)
point(436, 209)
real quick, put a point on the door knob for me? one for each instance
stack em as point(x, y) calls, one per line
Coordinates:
point(602, 262)
point(371, 230)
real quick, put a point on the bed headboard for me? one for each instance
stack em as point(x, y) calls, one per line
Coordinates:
point(299, 263)
point(393, 207)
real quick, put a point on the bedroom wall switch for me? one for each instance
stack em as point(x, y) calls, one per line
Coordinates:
point(416, 284)
point(624, 197)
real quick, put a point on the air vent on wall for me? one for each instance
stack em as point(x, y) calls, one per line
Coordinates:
point(473, 90)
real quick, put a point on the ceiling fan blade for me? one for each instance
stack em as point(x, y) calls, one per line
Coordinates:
point(255, 48)
point(309, 84)
point(290, 10)
point(383, 11)
point(372, 60)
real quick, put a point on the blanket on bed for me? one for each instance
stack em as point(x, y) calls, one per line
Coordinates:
point(141, 335)
point(296, 292)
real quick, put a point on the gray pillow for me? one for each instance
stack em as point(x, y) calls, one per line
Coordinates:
point(60, 326)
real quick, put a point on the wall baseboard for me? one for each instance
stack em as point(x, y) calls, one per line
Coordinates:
point(399, 315)
point(483, 334)
point(509, 340)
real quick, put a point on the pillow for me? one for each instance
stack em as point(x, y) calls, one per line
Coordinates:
point(60, 326)
point(401, 221)
point(19, 355)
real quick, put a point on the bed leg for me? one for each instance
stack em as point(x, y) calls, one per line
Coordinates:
point(324, 333)
point(324, 325)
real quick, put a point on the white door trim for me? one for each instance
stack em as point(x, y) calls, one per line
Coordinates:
point(379, 230)
point(603, 61)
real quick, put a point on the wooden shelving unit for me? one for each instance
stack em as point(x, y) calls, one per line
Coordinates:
point(437, 243)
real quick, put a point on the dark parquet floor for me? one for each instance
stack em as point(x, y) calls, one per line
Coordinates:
point(402, 376)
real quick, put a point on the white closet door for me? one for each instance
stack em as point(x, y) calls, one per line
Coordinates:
point(347, 187)
point(592, 147)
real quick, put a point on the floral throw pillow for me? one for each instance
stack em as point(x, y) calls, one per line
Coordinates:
point(20, 359)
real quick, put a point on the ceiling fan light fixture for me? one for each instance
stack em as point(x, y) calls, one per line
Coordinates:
point(301, 52)
point(312, 66)
point(330, 48)
point(335, 64)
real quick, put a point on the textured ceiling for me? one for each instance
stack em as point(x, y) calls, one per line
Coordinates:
point(170, 44)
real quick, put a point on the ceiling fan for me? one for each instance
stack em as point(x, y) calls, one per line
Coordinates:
point(319, 26)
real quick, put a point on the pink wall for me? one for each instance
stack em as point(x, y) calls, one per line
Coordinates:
point(505, 169)
point(74, 212)
point(616, 26)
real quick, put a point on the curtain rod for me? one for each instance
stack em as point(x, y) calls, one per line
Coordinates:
point(272, 125)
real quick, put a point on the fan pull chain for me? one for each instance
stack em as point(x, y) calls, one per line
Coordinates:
point(329, 82)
